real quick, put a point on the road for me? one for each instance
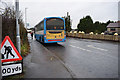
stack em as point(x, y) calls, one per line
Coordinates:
point(75, 58)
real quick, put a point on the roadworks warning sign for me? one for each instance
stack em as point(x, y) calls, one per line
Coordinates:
point(8, 51)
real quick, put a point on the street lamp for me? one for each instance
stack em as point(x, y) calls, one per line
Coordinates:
point(17, 26)
point(26, 18)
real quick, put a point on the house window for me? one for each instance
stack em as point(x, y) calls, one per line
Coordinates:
point(112, 29)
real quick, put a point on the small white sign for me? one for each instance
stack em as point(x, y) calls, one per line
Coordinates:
point(11, 69)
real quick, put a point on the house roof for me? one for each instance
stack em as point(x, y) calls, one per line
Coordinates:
point(114, 25)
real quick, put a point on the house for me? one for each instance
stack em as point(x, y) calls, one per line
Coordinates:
point(113, 28)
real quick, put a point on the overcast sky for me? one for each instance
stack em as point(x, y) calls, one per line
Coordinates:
point(99, 10)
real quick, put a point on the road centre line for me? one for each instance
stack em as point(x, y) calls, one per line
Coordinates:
point(92, 51)
point(91, 46)
point(80, 48)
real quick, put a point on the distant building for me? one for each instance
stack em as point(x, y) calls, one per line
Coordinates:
point(113, 28)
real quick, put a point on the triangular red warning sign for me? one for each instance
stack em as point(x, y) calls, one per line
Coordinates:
point(8, 51)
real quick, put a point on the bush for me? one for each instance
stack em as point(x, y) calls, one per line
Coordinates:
point(9, 29)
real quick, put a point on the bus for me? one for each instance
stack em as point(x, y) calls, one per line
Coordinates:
point(50, 30)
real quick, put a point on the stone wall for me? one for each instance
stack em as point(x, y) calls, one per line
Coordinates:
point(94, 36)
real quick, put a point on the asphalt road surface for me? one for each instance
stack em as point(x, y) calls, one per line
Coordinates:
point(75, 58)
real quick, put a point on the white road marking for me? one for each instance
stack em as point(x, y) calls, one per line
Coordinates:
point(80, 48)
point(72, 42)
point(91, 46)
point(105, 54)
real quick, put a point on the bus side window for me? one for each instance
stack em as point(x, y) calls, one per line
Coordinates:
point(42, 26)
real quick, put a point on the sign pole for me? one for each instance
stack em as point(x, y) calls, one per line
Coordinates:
point(0, 46)
point(18, 29)
point(17, 26)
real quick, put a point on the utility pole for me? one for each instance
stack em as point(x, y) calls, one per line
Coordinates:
point(67, 14)
point(119, 11)
point(17, 26)
point(26, 18)
point(67, 21)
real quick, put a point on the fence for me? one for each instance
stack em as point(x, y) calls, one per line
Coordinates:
point(94, 36)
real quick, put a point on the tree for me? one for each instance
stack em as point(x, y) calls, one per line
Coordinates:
point(109, 22)
point(67, 22)
point(101, 27)
point(85, 24)
point(9, 25)
point(97, 26)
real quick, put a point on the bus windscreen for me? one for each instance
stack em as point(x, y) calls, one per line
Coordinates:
point(54, 24)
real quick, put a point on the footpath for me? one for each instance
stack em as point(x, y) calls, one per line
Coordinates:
point(40, 63)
